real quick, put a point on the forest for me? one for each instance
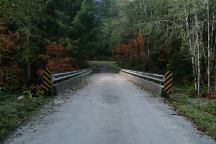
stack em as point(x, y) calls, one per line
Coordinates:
point(178, 35)
point(62, 35)
point(140, 34)
point(144, 35)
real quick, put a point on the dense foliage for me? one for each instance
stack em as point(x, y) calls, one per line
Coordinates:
point(59, 34)
point(177, 35)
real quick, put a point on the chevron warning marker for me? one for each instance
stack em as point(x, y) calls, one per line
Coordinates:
point(168, 84)
point(46, 85)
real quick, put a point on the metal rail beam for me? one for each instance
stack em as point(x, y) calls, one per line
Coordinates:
point(151, 82)
point(66, 80)
point(57, 78)
point(156, 78)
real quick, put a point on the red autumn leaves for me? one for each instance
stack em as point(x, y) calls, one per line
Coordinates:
point(57, 58)
point(132, 49)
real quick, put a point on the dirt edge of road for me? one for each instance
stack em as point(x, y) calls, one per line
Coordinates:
point(182, 110)
point(45, 109)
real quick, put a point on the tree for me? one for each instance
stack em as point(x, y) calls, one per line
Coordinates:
point(190, 24)
point(57, 59)
point(26, 14)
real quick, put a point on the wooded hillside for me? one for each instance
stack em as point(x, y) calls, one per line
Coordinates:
point(59, 34)
point(179, 34)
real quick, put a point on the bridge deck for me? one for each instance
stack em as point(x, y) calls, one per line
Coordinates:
point(111, 110)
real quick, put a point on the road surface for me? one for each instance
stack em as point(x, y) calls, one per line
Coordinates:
point(111, 110)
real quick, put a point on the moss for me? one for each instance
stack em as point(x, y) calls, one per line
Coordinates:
point(201, 111)
point(13, 112)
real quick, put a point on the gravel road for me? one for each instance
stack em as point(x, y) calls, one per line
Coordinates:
point(111, 110)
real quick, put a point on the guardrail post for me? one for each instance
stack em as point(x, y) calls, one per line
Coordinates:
point(168, 84)
point(46, 85)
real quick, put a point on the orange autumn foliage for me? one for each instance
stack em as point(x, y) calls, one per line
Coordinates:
point(57, 59)
point(132, 49)
point(140, 39)
point(8, 49)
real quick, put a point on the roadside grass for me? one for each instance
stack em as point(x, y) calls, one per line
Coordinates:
point(201, 111)
point(111, 64)
point(13, 112)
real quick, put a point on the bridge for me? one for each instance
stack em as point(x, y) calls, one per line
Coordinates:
point(113, 108)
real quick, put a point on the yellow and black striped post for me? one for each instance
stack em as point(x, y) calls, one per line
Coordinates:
point(168, 85)
point(46, 85)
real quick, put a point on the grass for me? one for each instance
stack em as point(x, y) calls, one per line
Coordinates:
point(201, 111)
point(13, 112)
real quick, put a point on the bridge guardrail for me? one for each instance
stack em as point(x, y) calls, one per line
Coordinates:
point(57, 82)
point(57, 78)
point(156, 78)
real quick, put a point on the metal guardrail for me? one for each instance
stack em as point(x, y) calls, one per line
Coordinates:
point(57, 78)
point(156, 78)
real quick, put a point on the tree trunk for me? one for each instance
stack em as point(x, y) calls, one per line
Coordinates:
point(209, 52)
point(28, 33)
point(192, 51)
point(197, 47)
